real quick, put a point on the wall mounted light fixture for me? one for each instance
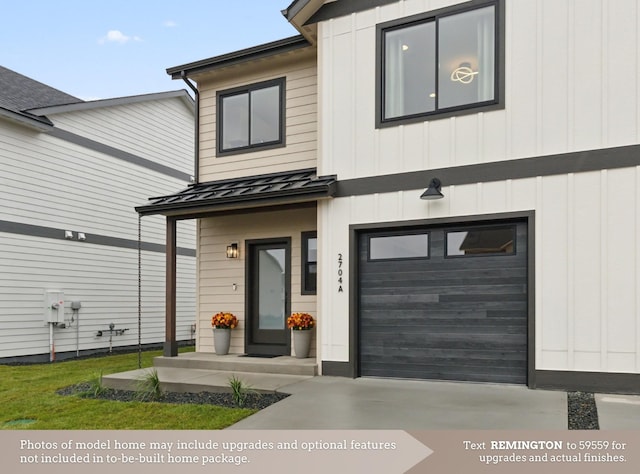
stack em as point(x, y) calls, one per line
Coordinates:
point(433, 190)
point(232, 250)
point(68, 234)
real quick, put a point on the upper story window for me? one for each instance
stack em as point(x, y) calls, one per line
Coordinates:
point(251, 117)
point(440, 63)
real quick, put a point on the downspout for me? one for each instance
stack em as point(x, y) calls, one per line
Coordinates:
point(196, 149)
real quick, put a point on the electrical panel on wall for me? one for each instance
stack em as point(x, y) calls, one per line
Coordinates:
point(53, 307)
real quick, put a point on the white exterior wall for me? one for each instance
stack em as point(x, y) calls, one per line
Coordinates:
point(587, 266)
point(156, 119)
point(58, 184)
point(572, 83)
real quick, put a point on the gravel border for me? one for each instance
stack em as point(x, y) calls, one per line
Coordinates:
point(582, 410)
point(257, 401)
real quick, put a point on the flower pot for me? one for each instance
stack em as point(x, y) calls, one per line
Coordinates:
point(221, 340)
point(301, 342)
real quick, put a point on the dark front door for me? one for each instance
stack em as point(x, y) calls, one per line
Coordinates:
point(268, 301)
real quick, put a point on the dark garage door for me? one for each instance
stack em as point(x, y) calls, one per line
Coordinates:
point(446, 303)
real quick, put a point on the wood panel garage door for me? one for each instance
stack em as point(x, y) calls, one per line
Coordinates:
point(447, 303)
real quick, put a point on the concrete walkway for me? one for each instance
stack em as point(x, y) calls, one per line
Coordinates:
point(618, 412)
point(324, 402)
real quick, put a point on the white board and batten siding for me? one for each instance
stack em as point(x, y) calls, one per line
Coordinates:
point(300, 72)
point(60, 185)
point(572, 84)
point(217, 274)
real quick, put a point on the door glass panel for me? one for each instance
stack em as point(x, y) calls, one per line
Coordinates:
point(494, 241)
point(399, 246)
point(271, 284)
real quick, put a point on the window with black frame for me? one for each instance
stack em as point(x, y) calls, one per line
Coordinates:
point(443, 62)
point(309, 263)
point(251, 117)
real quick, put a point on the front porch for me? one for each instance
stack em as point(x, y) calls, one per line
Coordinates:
point(201, 371)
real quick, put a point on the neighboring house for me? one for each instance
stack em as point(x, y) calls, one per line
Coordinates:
point(522, 117)
point(72, 172)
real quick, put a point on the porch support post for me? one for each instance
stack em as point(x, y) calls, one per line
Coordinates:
point(170, 343)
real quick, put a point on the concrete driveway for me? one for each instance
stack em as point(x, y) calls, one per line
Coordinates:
point(341, 403)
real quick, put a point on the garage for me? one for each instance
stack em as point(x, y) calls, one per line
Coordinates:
point(447, 303)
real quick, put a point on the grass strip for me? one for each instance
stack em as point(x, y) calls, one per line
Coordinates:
point(28, 392)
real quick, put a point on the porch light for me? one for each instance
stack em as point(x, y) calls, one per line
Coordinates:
point(232, 251)
point(433, 190)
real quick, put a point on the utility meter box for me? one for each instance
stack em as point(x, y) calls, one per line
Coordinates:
point(53, 307)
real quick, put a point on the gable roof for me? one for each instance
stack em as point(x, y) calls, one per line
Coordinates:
point(242, 193)
point(19, 93)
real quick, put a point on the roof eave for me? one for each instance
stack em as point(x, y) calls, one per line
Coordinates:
point(238, 57)
point(101, 103)
point(41, 124)
point(294, 8)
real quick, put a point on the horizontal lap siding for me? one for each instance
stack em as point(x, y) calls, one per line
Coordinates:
point(59, 185)
point(217, 274)
point(143, 131)
point(301, 127)
point(452, 319)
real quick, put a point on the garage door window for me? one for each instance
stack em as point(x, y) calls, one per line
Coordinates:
point(486, 241)
point(388, 247)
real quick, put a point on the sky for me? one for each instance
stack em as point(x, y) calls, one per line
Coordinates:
point(101, 49)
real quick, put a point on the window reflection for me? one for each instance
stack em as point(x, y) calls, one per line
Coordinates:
point(496, 240)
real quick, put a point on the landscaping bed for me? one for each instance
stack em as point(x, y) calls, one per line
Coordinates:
point(255, 401)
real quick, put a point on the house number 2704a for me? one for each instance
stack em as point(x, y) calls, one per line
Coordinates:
point(340, 290)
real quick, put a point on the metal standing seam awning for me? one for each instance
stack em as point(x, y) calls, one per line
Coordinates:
point(203, 199)
point(242, 193)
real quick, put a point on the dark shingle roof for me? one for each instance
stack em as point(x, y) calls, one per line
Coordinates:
point(19, 93)
point(289, 186)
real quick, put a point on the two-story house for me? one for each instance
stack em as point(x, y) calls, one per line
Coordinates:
point(451, 188)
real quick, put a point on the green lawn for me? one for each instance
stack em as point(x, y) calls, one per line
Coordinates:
point(29, 393)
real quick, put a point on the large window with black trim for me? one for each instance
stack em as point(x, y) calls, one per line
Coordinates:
point(251, 117)
point(442, 62)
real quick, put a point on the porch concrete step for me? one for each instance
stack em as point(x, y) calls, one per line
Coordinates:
point(284, 365)
point(176, 379)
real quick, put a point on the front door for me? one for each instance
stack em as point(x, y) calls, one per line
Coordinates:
point(268, 301)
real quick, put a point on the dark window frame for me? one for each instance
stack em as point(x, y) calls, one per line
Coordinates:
point(247, 89)
point(481, 228)
point(399, 234)
point(305, 288)
point(498, 101)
